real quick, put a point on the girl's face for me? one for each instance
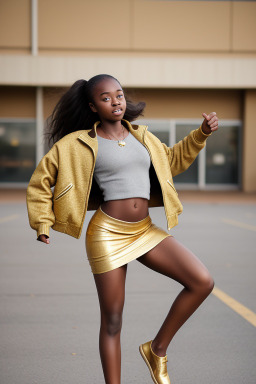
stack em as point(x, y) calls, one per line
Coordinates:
point(108, 100)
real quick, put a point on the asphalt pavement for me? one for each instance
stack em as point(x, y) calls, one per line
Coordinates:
point(50, 314)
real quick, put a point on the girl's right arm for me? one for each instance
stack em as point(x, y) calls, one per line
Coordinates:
point(40, 197)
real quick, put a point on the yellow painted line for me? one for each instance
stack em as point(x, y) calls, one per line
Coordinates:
point(239, 224)
point(8, 218)
point(243, 311)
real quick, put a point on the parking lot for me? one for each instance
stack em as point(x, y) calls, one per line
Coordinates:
point(50, 313)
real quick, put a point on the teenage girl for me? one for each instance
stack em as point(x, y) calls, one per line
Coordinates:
point(101, 161)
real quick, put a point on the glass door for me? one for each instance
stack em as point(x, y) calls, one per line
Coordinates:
point(223, 156)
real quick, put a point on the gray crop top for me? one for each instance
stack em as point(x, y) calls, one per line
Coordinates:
point(122, 172)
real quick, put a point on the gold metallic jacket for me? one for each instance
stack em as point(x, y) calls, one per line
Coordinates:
point(69, 167)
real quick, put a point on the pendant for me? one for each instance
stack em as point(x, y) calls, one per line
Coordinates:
point(121, 143)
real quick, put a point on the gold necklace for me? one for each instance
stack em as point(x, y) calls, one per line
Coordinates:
point(121, 143)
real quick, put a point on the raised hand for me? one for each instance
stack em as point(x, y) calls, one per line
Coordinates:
point(210, 123)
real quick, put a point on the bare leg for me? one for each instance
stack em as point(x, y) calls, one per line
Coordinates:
point(172, 259)
point(111, 292)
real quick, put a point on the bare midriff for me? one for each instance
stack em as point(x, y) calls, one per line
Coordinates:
point(133, 209)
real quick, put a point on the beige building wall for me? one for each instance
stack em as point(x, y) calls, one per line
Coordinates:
point(17, 102)
point(141, 25)
point(190, 103)
point(244, 26)
point(15, 26)
point(50, 98)
point(169, 26)
point(136, 26)
point(97, 24)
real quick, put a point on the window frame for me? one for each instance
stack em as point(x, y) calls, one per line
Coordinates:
point(201, 184)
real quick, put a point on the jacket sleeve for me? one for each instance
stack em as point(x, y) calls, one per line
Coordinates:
point(182, 154)
point(39, 196)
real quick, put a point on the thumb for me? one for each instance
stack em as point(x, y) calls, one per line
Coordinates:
point(205, 116)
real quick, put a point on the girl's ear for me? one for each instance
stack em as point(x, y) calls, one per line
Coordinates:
point(92, 107)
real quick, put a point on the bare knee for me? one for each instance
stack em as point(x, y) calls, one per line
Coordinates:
point(202, 285)
point(205, 283)
point(112, 323)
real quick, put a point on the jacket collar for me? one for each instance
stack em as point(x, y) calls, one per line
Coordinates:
point(136, 130)
point(90, 136)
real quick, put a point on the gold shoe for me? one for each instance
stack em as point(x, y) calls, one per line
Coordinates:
point(156, 364)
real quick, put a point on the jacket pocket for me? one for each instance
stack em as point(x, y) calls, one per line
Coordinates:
point(168, 181)
point(64, 191)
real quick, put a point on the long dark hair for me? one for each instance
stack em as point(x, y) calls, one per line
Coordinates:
point(72, 112)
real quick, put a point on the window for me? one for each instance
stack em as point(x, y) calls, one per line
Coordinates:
point(222, 156)
point(191, 174)
point(17, 149)
point(218, 166)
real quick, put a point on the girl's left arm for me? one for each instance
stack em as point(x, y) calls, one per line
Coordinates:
point(39, 195)
point(182, 154)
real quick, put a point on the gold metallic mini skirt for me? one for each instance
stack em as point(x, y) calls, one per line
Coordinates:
point(111, 243)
